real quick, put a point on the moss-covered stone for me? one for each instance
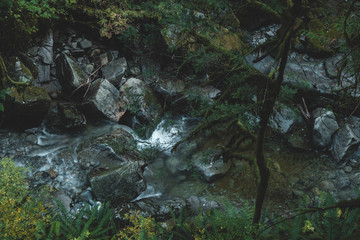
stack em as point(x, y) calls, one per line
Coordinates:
point(228, 40)
point(26, 108)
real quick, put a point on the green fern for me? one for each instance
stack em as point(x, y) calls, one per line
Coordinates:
point(89, 223)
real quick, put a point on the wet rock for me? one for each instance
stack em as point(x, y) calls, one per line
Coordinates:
point(197, 204)
point(87, 196)
point(324, 126)
point(69, 73)
point(103, 100)
point(203, 155)
point(356, 179)
point(169, 88)
point(283, 119)
point(64, 199)
point(26, 109)
point(207, 93)
point(114, 71)
point(345, 141)
point(112, 55)
point(119, 185)
point(84, 44)
point(135, 71)
point(111, 150)
point(211, 165)
point(45, 52)
point(44, 73)
point(160, 209)
point(137, 97)
point(64, 117)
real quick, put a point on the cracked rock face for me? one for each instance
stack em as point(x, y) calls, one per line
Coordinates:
point(69, 73)
point(103, 98)
point(324, 127)
point(346, 140)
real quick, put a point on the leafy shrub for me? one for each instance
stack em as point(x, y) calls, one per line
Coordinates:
point(20, 213)
point(139, 228)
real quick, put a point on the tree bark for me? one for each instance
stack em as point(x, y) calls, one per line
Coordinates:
point(271, 93)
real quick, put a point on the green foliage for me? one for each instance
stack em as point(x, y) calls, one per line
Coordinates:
point(334, 224)
point(286, 94)
point(2, 98)
point(139, 228)
point(322, 223)
point(91, 222)
point(226, 223)
point(21, 212)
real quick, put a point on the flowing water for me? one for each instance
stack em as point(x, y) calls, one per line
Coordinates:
point(53, 159)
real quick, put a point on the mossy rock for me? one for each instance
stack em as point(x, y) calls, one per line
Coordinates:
point(26, 108)
point(227, 40)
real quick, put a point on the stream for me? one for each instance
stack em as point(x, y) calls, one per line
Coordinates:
point(53, 160)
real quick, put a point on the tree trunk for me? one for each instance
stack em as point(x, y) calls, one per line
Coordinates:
point(271, 94)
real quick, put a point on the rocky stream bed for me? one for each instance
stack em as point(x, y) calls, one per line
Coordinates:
point(88, 151)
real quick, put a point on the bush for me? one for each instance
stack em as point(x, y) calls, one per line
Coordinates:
point(20, 215)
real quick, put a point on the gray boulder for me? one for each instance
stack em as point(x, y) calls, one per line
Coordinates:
point(111, 150)
point(44, 73)
point(203, 154)
point(169, 88)
point(45, 52)
point(324, 126)
point(114, 71)
point(211, 164)
point(346, 140)
point(103, 99)
point(69, 73)
point(160, 209)
point(283, 119)
point(85, 44)
point(119, 185)
point(137, 97)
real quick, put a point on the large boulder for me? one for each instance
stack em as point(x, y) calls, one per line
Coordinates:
point(204, 160)
point(160, 209)
point(118, 174)
point(137, 97)
point(324, 126)
point(119, 185)
point(204, 155)
point(45, 52)
point(169, 89)
point(114, 71)
point(103, 100)
point(111, 150)
point(69, 73)
point(346, 140)
point(27, 108)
